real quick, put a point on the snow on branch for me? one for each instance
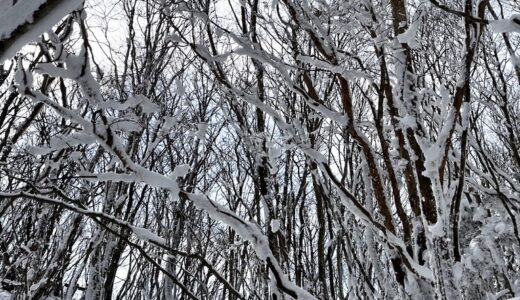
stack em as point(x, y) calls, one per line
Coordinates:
point(26, 20)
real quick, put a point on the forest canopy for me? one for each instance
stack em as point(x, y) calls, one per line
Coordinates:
point(259, 149)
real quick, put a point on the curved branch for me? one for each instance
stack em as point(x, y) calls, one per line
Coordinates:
point(43, 17)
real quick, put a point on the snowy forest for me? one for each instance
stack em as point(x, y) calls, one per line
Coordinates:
point(259, 149)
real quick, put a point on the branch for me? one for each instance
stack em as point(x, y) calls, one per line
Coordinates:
point(43, 17)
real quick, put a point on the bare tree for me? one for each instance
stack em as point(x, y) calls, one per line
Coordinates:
point(260, 150)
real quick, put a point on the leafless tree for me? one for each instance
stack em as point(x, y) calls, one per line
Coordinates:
point(260, 150)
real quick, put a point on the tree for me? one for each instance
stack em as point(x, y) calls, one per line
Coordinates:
point(255, 150)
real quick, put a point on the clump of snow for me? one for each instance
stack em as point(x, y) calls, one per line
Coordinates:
point(458, 269)
point(181, 170)
point(146, 235)
point(5, 295)
point(146, 104)
point(126, 125)
point(275, 225)
point(480, 214)
point(273, 154)
point(500, 227)
point(315, 155)
point(437, 229)
point(408, 121)
point(476, 251)
point(408, 37)
point(22, 78)
point(506, 25)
